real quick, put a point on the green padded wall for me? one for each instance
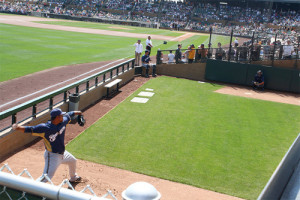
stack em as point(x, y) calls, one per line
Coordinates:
point(283, 79)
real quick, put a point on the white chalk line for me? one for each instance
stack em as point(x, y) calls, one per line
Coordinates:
point(58, 84)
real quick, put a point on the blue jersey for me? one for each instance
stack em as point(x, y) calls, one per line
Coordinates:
point(259, 79)
point(53, 135)
point(146, 58)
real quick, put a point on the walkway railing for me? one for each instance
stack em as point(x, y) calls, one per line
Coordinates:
point(39, 105)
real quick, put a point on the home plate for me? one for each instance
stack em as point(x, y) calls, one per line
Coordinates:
point(148, 89)
point(248, 93)
point(139, 100)
point(146, 94)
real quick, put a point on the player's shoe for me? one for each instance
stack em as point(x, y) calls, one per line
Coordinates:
point(77, 180)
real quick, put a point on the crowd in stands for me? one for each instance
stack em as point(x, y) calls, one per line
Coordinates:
point(176, 15)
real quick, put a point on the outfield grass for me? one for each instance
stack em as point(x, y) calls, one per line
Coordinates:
point(189, 134)
point(25, 50)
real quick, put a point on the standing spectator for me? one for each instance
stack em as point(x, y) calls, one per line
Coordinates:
point(138, 51)
point(191, 54)
point(202, 52)
point(236, 42)
point(178, 54)
point(53, 133)
point(220, 53)
point(209, 51)
point(149, 44)
point(171, 57)
point(288, 50)
point(242, 52)
point(146, 63)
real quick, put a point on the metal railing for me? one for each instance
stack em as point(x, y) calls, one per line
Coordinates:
point(85, 84)
point(245, 54)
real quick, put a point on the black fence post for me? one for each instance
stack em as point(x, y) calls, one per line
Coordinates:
point(210, 33)
point(251, 49)
point(103, 78)
point(96, 81)
point(158, 57)
point(34, 111)
point(87, 86)
point(13, 118)
point(77, 89)
point(230, 45)
point(51, 103)
point(273, 54)
point(65, 96)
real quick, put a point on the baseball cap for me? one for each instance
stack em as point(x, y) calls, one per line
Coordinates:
point(56, 112)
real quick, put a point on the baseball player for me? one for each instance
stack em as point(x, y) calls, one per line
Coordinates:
point(53, 134)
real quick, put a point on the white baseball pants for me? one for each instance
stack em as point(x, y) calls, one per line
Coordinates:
point(53, 160)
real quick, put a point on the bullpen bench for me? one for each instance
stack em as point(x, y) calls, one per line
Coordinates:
point(111, 84)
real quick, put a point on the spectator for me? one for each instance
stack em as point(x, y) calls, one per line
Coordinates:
point(171, 57)
point(236, 42)
point(149, 44)
point(259, 81)
point(138, 51)
point(178, 55)
point(288, 50)
point(209, 51)
point(191, 54)
point(242, 52)
point(146, 63)
point(202, 53)
point(220, 53)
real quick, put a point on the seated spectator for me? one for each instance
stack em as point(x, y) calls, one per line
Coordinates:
point(171, 57)
point(259, 81)
point(288, 50)
point(220, 53)
point(146, 63)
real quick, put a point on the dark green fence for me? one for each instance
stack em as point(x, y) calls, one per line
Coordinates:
point(276, 78)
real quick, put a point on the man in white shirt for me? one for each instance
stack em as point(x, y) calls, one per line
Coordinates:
point(149, 44)
point(171, 57)
point(138, 51)
point(288, 50)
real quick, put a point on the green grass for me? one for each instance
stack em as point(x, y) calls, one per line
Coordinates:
point(189, 134)
point(25, 50)
point(120, 28)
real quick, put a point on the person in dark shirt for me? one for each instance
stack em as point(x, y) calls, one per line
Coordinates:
point(178, 55)
point(259, 81)
point(53, 134)
point(146, 63)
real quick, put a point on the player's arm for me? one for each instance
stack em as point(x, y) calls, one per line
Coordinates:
point(38, 129)
point(17, 127)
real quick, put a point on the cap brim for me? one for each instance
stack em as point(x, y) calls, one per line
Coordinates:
point(63, 113)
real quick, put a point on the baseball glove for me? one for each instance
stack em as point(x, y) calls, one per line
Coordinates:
point(80, 120)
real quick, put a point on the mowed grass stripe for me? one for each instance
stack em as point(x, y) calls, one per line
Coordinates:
point(114, 27)
point(189, 134)
point(25, 50)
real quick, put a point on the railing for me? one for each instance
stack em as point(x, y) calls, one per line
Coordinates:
point(245, 54)
point(84, 84)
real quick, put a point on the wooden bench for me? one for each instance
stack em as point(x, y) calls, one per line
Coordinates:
point(111, 84)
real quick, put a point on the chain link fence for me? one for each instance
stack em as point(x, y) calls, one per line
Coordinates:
point(8, 193)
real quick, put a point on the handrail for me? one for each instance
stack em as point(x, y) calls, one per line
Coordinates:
point(12, 111)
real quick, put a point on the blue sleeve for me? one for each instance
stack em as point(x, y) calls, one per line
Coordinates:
point(143, 58)
point(41, 128)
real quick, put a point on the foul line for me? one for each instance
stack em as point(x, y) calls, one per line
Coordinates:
point(58, 84)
